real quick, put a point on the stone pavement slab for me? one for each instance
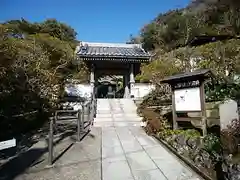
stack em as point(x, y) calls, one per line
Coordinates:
point(103, 116)
point(76, 161)
point(170, 165)
point(104, 124)
point(117, 170)
point(154, 174)
point(126, 124)
point(89, 149)
point(111, 151)
point(80, 171)
point(131, 146)
point(129, 153)
point(140, 161)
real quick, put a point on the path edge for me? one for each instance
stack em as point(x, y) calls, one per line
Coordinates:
point(183, 159)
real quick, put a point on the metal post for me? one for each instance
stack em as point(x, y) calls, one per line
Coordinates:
point(50, 141)
point(78, 125)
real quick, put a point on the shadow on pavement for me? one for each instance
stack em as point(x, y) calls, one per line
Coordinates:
point(18, 165)
point(28, 159)
point(26, 141)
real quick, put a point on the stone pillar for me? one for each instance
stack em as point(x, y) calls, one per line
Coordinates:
point(95, 84)
point(132, 79)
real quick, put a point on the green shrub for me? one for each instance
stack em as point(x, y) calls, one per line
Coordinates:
point(212, 144)
point(191, 133)
point(230, 137)
point(168, 133)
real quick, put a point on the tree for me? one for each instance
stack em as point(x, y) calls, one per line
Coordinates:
point(174, 28)
point(150, 37)
point(50, 26)
point(35, 61)
point(221, 57)
point(58, 30)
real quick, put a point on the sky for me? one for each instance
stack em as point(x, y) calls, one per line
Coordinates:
point(93, 20)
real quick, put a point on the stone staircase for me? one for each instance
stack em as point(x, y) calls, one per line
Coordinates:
point(116, 112)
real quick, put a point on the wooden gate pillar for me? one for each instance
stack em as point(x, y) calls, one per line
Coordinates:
point(132, 79)
point(92, 77)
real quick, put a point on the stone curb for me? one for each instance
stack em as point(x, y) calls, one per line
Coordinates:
point(185, 160)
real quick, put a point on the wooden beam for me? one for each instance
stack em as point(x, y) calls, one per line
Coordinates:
point(174, 115)
point(188, 119)
point(203, 109)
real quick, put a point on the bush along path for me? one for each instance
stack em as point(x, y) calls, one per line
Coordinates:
point(207, 155)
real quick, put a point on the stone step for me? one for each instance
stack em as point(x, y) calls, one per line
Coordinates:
point(118, 124)
point(116, 112)
point(104, 115)
point(136, 119)
point(118, 118)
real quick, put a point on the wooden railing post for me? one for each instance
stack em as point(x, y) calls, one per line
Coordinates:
point(79, 125)
point(82, 118)
point(89, 111)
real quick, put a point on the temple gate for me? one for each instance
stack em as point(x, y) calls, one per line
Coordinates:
point(113, 59)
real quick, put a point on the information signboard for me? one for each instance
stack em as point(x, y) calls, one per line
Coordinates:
point(187, 99)
point(7, 144)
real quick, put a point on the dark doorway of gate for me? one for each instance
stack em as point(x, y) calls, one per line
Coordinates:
point(103, 90)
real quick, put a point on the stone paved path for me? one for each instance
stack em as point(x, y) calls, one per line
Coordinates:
point(128, 153)
point(117, 148)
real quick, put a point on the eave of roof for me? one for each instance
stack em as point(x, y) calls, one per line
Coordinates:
point(188, 76)
point(107, 51)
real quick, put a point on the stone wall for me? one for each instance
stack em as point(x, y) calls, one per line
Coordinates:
point(198, 151)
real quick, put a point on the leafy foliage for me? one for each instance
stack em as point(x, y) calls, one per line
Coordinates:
point(176, 27)
point(230, 137)
point(168, 34)
point(191, 133)
point(52, 27)
point(213, 146)
point(158, 69)
point(221, 57)
point(35, 61)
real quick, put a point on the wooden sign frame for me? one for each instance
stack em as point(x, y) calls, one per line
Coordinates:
point(189, 80)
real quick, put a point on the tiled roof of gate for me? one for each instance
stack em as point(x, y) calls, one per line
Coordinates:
point(86, 49)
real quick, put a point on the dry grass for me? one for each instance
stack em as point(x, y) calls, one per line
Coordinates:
point(153, 121)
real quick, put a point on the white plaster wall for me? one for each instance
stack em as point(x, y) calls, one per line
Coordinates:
point(81, 90)
point(84, 90)
point(141, 89)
